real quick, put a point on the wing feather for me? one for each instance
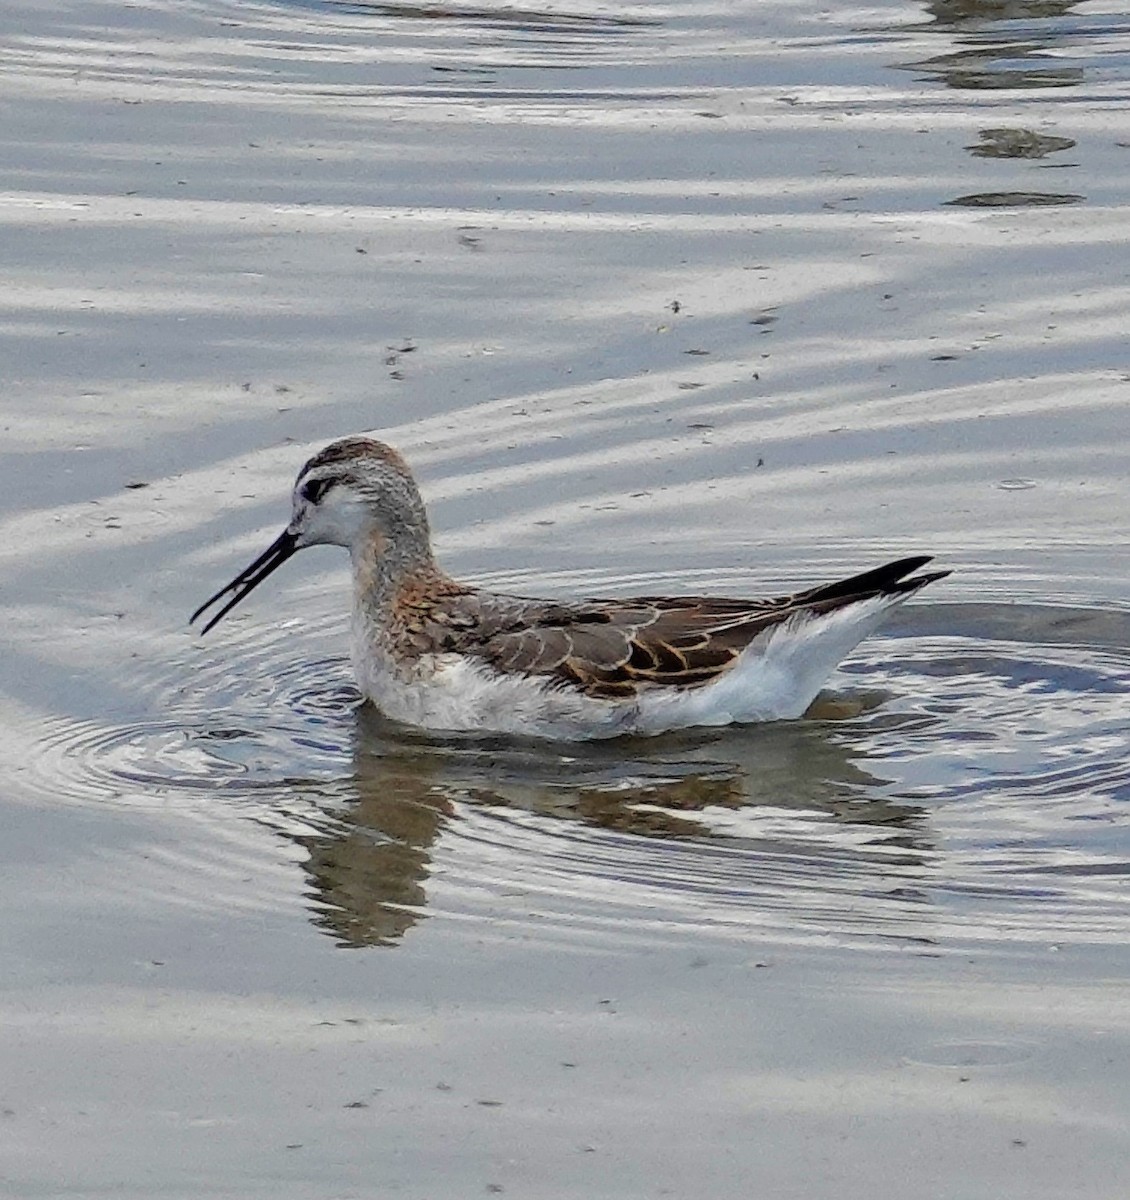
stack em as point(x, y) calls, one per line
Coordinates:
point(617, 647)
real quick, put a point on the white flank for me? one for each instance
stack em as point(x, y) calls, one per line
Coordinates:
point(778, 675)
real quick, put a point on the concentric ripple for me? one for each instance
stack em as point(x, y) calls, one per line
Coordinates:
point(270, 721)
point(971, 788)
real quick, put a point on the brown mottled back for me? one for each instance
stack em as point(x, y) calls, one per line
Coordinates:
point(616, 647)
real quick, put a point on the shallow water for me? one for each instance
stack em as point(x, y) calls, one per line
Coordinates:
point(688, 296)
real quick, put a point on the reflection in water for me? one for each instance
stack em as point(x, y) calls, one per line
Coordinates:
point(994, 52)
point(968, 795)
point(992, 56)
point(970, 786)
point(369, 863)
point(999, 65)
point(369, 867)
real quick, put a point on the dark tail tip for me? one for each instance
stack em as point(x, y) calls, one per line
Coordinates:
point(892, 577)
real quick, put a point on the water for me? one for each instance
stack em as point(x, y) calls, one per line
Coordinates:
point(958, 788)
point(687, 296)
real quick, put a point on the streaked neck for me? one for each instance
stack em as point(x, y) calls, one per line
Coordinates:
point(385, 572)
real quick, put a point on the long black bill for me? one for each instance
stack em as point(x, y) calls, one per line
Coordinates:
point(249, 578)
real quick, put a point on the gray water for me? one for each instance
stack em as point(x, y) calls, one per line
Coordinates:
point(675, 296)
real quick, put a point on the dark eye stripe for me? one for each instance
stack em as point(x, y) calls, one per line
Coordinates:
point(314, 489)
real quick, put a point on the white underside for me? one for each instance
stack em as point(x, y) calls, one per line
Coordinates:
point(777, 677)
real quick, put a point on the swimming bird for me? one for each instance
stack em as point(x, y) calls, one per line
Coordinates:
point(447, 656)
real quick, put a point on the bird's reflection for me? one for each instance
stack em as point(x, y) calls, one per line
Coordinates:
point(368, 868)
point(370, 859)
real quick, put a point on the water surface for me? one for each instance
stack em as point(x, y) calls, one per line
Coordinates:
point(678, 296)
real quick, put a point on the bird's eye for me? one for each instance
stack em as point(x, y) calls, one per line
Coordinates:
point(314, 489)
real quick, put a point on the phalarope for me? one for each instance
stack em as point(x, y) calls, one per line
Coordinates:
point(443, 655)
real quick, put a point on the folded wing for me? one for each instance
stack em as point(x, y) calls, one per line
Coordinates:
point(616, 647)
